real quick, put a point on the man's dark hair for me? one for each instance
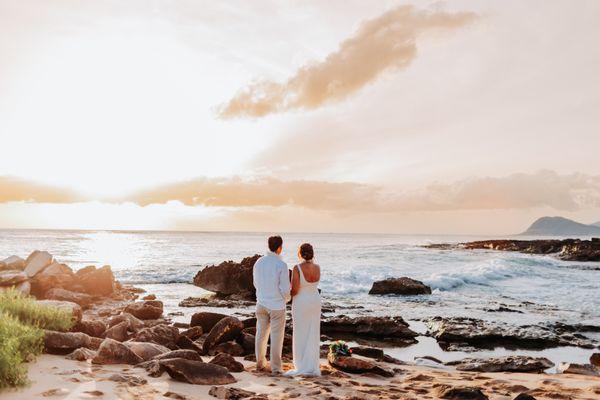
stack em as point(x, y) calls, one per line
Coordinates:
point(275, 242)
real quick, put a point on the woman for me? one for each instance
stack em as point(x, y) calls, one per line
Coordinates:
point(306, 314)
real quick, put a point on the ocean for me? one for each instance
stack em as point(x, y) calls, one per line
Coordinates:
point(464, 283)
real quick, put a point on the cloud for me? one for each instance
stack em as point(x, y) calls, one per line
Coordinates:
point(381, 44)
point(16, 189)
point(517, 191)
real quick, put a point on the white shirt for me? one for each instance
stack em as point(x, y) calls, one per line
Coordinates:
point(272, 282)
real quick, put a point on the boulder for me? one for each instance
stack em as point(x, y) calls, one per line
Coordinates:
point(524, 396)
point(504, 364)
point(151, 309)
point(595, 359)
point(369, 352)
point(65, 342)
point(81, 354)
point(12, 277)
point(36, 262)
point(118, 332)
point(355, 365)
point(248, 342)
point(369, 327)
point(193, 333)
point(185, 342)
point(232, 348)
point(13, 262)
point(82, 299)
point(71, 308)
point(146, 351)
point(165, 335)
point(135, 324)
point(197, 372)
point(91, 327)
point(227, 361)
point(579, 369)
point(113, 352)
point(206, 320)
point(24, 288)
point(231, 393)
point(226, 329)
point(97, 282)
point(229, 277)
point(460, 393)
point(402, 286)
point(186, 354)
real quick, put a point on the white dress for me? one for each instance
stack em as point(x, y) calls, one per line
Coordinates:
point(306, 316)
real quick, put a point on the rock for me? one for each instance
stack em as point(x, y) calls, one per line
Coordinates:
point(128, 379)
point(24, 288)
point(146, 351)
point(595, 359)
point(113, 352)
point(165, 335)
point(97, 282)
point(566, 249)
point(579, 369)
point(206, 320)
point(135, 324)
point(91, 327)
point(71, 308)
point(149, 297)
point(119, 332)
point(355, 365)
point(185, 353)
point(227, 361)
point(463, 332)
point(36, 262)
point(369, 327)
point(229, 393)
point(197, 372)
point(460, 393)
point(193, 333)
point(185, 342)
point(232, 348)
point(219, 301)
point(151, 309)
point(403, 286)
point(12, 277)
point(248, 342)
point(65, 342)
point(524, 396)
point(226, 329)
point(81, 354)
point(82, 299)
point(504, 364)
point(13, 262)
point(229, 277)
point(369, 352)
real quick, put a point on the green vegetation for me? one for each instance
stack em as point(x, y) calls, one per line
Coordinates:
point(22, 321)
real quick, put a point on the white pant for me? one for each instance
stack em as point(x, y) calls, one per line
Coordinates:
point(273, 322)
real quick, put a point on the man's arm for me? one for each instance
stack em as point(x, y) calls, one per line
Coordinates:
point(284, 283)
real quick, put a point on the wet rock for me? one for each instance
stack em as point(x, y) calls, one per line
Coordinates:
point(36, 262)
point(197, 372)
point(119, 332)
point(165, 335)
point(182, 353)
point(369, 327)
point(193, 333)
point(470, 332)
point(232, 348)
point(113, 352)
point(151, 309)
point(146, 351)
point(579, 369)
point(595, 359)
point(12, 262)
point(135, 324)
point(402, 286)
point(91, 327)
point(504, 364)
point(355, 365)
point(566, 249)
point(229, 277)
point(229, 393)
point(227, 361)
point(226, 329)
point(460, 393)
point(71, 308)
point(84, 300)
point(97, 282)
point(369, 352)
point(81, 354)
point(206, 320)
point(65, 342)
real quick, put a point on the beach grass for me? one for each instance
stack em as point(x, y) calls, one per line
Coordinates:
point(22, 324)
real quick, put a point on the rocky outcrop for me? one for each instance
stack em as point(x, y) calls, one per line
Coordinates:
point(402, 286)
point(370, 327)
point(206, 320)
point(458, 332)
point(459, 393)
point(71, 308)
point(65, 342)
point(355, 365)
point(229, 278)
point(113, 352)
point(504, 364)
point(227, 361)
point(150, 309)
point(197, 372)
point(226, 329)
point(579, 369)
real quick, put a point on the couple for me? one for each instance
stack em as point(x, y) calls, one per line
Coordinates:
point(273, 291)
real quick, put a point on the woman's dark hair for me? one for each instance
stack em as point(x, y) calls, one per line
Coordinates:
point(307, 252)
point(275, 242)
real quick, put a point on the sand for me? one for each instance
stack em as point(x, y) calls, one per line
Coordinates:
point(54, 377)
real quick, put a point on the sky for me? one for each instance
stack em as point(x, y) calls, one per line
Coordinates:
point(461, 117)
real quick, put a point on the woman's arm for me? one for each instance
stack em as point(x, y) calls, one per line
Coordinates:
point(295, 281)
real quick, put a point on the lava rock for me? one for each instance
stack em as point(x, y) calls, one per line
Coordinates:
point(369, 327)
point(579, 369)
point(357, 365)
point(402, 286)
point(113, 352)
point(232, 348)
point(150, 309)
point(197, 372)
point(146, 351)
point(229, 277)
point(504, 364)
point(229, 393)
point(165, 335)
point(460, 393)
point(206, 320)
point(227, 361)
point(228, 328)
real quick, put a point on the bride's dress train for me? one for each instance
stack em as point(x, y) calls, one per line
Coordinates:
point(306, 319)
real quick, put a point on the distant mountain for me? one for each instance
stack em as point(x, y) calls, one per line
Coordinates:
point(559, 226)
point(596, 223)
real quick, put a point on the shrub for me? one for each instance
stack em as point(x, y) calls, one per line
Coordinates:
point(22, 321)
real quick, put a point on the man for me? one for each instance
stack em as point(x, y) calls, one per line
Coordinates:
point(272, 283)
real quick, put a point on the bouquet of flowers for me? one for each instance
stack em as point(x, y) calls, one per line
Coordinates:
point(340, 348)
